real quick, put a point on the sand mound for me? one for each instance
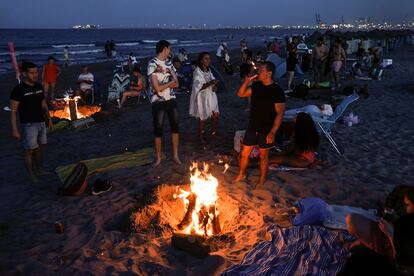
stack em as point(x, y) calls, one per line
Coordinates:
point(162, 216)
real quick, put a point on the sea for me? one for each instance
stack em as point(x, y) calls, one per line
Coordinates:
point(87, 45)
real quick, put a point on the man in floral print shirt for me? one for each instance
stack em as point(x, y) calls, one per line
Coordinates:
point(163, 80)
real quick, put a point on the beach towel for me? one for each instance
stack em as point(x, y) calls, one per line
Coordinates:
point(298, 250)
point(105, 164)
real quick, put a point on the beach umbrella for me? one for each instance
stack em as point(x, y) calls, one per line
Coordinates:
point(14, 60)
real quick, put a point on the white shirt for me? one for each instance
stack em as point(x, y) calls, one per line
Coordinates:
point(88, 77)
point(163, 70)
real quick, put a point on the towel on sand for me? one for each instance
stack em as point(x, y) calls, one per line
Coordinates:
point(104, 164)
point(298, 250)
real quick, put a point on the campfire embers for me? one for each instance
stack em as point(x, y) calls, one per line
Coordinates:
point(201, 214)
point(70, 110)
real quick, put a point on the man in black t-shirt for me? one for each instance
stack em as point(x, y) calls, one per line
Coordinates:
point(266, 114)
point(28, 99)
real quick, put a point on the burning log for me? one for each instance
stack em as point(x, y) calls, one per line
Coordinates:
point(193, 244)
point(192, 198)
point(215, 220)
point(73, 109)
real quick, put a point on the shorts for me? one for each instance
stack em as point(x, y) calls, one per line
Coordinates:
point(159, 111)
point(319, 66)
point(291, 64)
point(33, 134)
point(336, 66)
point(252, 138)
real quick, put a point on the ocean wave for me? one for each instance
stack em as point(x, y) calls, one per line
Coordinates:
point(86, 51)
point(27, 53)
point(73, 45)
point(189, 41)
point(150, 41)
point(128, 44)
point(196, 44)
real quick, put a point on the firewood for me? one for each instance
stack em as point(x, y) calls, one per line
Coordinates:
point(72, 110)
point(192, 244)
point(187, 217)
point(215, 221)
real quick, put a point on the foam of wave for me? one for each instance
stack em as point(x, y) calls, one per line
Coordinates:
point(150, 41)
point(128, 44)
point(73, 45)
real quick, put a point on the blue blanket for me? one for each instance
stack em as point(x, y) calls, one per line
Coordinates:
point(298, 250)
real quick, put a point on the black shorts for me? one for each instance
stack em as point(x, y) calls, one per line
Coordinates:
point(163, 109)
point(253, 138)
point(291, 64)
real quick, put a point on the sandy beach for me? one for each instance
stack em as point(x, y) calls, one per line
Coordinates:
point(97, 237)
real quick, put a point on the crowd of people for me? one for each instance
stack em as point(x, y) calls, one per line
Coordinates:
point(266, 117)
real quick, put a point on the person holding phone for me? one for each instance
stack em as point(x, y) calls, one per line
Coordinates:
point(203, 102)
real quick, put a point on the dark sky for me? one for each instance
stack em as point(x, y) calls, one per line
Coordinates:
point(137, 13)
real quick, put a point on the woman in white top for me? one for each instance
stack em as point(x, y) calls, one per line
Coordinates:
point(203, 102)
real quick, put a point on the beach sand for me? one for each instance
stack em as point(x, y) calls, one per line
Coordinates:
point(378, 155)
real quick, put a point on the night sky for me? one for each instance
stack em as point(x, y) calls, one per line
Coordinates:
point(133, 13)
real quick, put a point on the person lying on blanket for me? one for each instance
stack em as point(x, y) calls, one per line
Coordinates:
point(305, 141)
point(379, 236)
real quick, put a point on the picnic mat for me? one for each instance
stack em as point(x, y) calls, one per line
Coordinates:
point(105, 164)
point(297, 250)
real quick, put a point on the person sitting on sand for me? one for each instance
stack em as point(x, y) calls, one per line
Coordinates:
point(401, 240)
point(136, 87)
point(49, 76)
point(378, 236)
point(28, 99)
point(266, 115)
point(163, 79)
point(203, 102)
point(85, 82)
point(300, 153)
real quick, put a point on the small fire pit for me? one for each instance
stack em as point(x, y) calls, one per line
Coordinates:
point(189, 214)
point(69, 109)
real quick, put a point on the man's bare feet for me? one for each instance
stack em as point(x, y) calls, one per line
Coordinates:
point(177, 160)
point(260, 183)
point(240, 177)
point(156, 163)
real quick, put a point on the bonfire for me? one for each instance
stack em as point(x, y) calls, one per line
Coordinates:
point(201, 212)
point(72, 111)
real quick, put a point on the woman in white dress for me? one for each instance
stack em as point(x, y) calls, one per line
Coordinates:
point(203, 102)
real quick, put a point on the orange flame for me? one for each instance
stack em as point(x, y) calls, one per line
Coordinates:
point(204, 186)
point(81, 111)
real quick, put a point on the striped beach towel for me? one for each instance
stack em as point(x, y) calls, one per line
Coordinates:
point(298, 250)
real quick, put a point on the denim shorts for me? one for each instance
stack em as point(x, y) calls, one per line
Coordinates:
point(33, 134)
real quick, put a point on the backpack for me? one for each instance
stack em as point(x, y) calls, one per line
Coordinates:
point(76, 182)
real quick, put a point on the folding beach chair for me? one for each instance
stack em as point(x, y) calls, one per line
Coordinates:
point(326, 124)
point(145, 94)
point(120, 82)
